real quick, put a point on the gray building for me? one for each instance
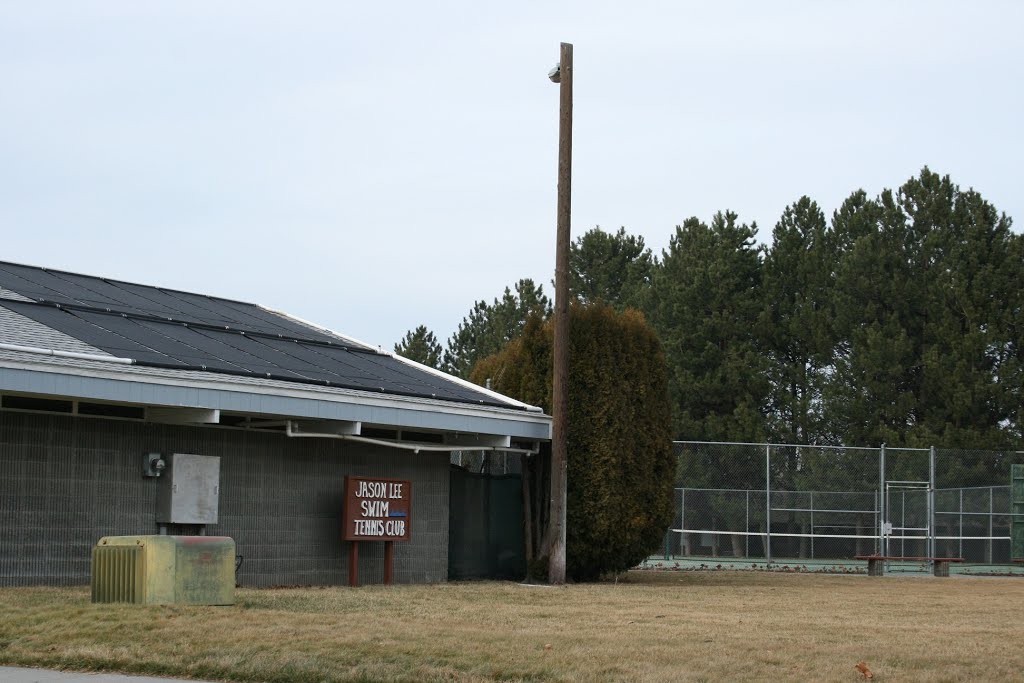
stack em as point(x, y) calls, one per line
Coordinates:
point(100, 380)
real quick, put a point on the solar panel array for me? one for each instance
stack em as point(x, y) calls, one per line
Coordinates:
point(168, 328)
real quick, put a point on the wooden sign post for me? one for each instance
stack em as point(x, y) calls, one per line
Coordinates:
point(376, 509)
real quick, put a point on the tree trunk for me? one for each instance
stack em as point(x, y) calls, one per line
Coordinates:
point(541, 483)
point(738, 546)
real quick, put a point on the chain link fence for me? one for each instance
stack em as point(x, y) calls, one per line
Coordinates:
point(777, 503)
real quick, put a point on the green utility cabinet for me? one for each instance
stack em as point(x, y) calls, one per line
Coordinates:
point(159, 570)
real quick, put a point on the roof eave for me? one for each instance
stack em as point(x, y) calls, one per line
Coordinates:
point(39, 377)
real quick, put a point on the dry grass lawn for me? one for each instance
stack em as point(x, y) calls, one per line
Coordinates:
point(653, 626)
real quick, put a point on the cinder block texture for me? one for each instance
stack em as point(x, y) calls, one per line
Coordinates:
point(67, 481)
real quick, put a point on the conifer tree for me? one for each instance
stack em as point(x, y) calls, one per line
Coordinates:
point(704, 302)
point(421, 346)
point(925, 300)
point(490, 327)
point(610, 267)
point(971, 283)
point(620, 463)
point(796, 324)
point(871, 395)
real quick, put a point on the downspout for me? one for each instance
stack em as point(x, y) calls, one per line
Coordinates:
point(66, 354)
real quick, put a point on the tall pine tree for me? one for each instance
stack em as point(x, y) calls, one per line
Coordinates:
point(490, 327)
point(796, 323)
point(926, 293)
point(613, 268)
point(421, 346)
point(871, 397)
point(704, 301)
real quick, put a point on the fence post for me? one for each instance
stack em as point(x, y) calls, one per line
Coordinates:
point(990, 512)
point(903, 524)
point(812, 524)
point(768, 504)
point(878, 526)
point(684, 546)
point(746, 528)
point(883, 539)
point(931, 502)
point(960, 545)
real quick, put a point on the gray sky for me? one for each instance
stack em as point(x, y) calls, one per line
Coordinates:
point(375, 166)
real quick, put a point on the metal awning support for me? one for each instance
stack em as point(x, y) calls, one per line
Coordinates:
point(182, 416)
point(469, 442)
point(318, 427)
point(414, 446)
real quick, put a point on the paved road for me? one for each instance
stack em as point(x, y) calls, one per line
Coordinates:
point(13, 674)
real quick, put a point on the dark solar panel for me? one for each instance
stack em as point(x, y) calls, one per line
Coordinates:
point(396, 371)
point(82, 330)
point(169, 328)
point(338, 361)
point(289, 354)
point(26, 281)
point(125, 297)
point(94, 292)
point(108, 295)
point(177, 308)
point(359, 367)
point(143, 333)
point(263, 317)
point(239, 316)
point(233, 348)
point(384, 371)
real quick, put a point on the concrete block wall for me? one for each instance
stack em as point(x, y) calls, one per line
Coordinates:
point(66, 481)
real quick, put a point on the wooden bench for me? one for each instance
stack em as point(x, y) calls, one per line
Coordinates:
point(940, 565)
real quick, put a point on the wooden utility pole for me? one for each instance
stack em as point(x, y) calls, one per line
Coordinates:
point(560, 398)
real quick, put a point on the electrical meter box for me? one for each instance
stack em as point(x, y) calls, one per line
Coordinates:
point(189, 490)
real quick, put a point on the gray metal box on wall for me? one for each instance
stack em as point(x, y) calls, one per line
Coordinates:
point(189, 490)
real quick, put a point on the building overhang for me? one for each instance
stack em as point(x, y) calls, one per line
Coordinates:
point(194, 397)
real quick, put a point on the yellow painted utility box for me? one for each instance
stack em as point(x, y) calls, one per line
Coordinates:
point(159, 570)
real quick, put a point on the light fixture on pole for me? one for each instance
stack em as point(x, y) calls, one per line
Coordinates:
point(561, 74)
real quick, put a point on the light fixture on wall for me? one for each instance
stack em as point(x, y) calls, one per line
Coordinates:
point(153, 465)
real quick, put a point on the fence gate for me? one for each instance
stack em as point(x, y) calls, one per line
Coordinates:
point(908, 514)
point(907, 530)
